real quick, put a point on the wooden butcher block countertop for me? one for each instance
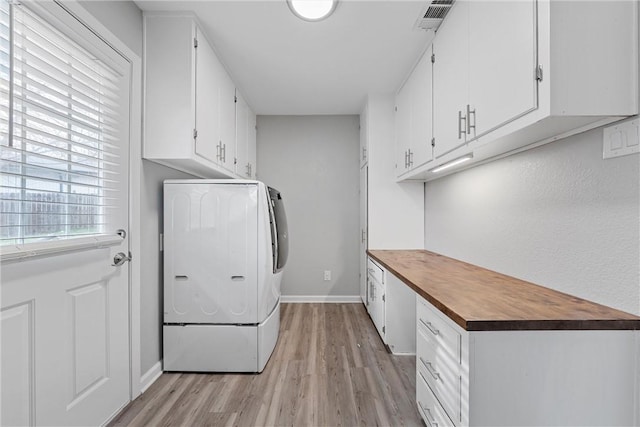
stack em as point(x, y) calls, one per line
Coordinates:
point(478, 299)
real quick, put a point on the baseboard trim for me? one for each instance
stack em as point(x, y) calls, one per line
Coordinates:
point(331, 299)
point(150, 376)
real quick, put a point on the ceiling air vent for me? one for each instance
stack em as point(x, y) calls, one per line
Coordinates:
point(435, 13)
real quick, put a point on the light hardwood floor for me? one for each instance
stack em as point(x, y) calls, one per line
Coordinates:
point(329, 368)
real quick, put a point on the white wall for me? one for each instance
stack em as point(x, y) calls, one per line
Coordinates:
point(124, 20)
point(559, 216)
point(313, 161)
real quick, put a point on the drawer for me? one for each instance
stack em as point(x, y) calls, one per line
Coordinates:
point(441, 371)
point(430, 409)
point(375, 271)
point(431, 322)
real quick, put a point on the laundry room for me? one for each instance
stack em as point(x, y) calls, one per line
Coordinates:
point(320, 212)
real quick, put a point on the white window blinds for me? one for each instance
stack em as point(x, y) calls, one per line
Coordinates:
point(59, 133)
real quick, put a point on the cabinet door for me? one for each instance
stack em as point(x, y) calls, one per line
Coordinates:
point(403, 128)
point(227, 104)
point(251, 144)
point(242, 137)
point(450, 79)
point(421, 112)
point(206, 96)
point(502, 83)
point(364, 155)
point(363, 234)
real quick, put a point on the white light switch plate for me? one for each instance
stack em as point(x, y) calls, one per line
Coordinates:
point(621, 139)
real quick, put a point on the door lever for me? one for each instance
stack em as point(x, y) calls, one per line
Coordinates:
point(120, 258)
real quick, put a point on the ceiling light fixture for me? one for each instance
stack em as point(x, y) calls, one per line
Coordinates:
point(452, 163)
point(312, 10)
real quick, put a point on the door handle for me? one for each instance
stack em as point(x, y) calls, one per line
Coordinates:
point(120, 258)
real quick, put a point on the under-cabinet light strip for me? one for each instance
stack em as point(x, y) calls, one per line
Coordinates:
point(452, 163)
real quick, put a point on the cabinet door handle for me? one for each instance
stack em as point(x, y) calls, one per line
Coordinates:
point(461, 130)
point(410, 158)
point(218, 147)
point(468, 119)
point(363, 238)
point(430, 327)
point(430, 418)
point(432, 371)
point(224, 153)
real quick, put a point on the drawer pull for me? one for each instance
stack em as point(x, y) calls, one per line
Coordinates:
point(433, 372)
point(430, 418)
point(430, 327)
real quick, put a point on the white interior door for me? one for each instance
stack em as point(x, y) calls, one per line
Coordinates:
point(64, 306)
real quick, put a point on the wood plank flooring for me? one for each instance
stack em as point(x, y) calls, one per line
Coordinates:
point(329, 368)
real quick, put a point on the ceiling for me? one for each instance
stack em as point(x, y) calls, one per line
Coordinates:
point(286, 66)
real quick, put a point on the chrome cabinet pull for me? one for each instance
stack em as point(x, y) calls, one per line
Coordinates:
point(432, 421)
point(411, 153)
point(468, 119)
point(461, 130)
point(432, 371)
point(430, 327)
point(430, 418)
point(219, 150)
point(435, 374)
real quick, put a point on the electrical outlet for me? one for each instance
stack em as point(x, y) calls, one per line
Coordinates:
point(621, 139)
point(327, 275)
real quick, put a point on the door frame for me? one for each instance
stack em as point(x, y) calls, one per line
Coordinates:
point(74, 8)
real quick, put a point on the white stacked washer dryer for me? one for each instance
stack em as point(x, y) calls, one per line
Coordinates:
point(225, 244)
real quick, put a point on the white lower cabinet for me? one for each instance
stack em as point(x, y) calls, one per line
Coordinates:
point(387, 302)
point(428, 406)
point(529, 377)
point(376, 296)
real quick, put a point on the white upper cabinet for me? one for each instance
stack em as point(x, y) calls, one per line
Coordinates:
point(227, 108)
point(484, 75)
point(245, 139)
point(190, 122)
point(502, 63)
point(253, 155)
point(207, 88)
point(514, 75)
point(364, 155)
point(414, 118)
point(450, 80)
point(403, 129)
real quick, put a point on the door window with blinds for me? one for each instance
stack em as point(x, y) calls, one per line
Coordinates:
point(63, 127)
